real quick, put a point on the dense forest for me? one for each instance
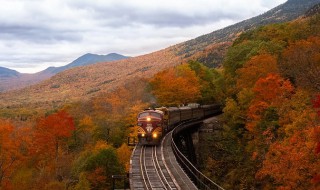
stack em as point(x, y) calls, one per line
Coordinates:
point(78, 146)
point(269, 85)
point(270, 88)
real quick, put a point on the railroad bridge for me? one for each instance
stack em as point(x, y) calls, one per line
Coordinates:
point(171, 165)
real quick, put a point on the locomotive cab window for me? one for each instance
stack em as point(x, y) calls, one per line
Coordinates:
point(145, 114)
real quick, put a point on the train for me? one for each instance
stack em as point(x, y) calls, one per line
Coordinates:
point(153, 124)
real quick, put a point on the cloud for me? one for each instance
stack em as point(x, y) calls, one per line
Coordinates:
point(38, 33)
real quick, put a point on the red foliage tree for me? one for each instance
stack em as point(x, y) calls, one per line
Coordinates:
point(316, 104)
point(50, 133)
point(269, 91)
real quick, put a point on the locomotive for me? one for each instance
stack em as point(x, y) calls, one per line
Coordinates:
point(153, 124)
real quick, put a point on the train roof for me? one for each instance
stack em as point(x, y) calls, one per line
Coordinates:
point(185, 108)
point(151, 110)
point(173, 109)
point(210, 106)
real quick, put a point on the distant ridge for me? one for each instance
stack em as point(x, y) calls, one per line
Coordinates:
point(5, 72)
point(12, 80)
point(86, 59)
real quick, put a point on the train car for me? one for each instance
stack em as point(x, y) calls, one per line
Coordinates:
point(211, 109)
point(185, 113)
point(150, 127)
point(173, 116)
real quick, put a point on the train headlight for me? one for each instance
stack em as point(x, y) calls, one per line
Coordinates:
point(148, 119)
point(155, 135)
point(142, 135)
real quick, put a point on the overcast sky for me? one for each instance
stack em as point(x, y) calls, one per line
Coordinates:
point(35, 34)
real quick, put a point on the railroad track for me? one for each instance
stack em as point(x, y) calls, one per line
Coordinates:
point(155, 167)
point(153, 171)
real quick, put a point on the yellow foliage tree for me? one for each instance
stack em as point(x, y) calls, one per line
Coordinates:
point(124, 154)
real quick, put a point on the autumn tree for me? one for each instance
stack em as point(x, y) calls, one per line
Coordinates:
point(85, 131)
point(206, 79)
point(98, 164)
point(269, 92)
point(113, 113)
point(14, 150)
point(257, 67)
point(292, 163)
point(50, 137)
point(316, 104)
point(124, 155)
point(263, 116)
point(176, 86)
point(296, 114)
point(301, 63)
point(269, 79)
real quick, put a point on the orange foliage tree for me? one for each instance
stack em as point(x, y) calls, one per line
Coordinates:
point(176, 86)
point(262, 116)
point(257, 67)
point(269, 92)
point(292, 163)
point(14, 144)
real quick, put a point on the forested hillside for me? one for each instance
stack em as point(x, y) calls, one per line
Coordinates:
point(270, 88)
point(210, 48)
point(70, 132)
point(78, 146)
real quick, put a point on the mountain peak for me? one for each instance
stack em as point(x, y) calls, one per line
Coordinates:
point(86, 59)
point(5, 72)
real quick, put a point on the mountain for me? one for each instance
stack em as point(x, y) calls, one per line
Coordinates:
point(86, 59)
point(85, 82)
point(211, 48)
point(5, 72)
point(314, 10)
point(12, 80)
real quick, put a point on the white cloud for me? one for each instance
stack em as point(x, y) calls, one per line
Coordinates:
point(35, 34)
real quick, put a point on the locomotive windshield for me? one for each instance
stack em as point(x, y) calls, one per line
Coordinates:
point(145, 114)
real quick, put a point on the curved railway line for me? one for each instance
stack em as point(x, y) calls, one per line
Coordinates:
point(155, 167)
